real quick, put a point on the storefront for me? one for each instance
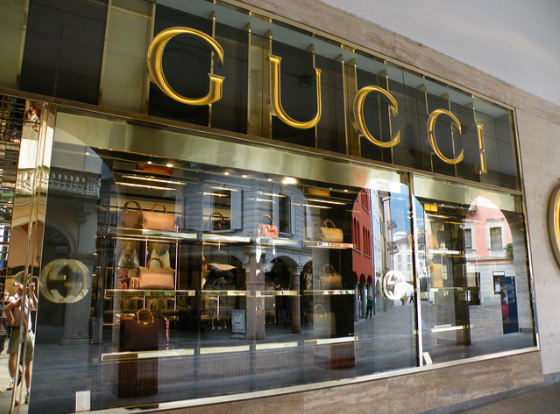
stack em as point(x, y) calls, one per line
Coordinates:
point(219, 205)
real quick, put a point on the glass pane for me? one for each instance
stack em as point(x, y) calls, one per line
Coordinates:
point(475, 282)
point(270, 292)
point(64, 48)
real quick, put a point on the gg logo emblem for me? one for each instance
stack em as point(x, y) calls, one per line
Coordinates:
point(394, 285)
point(72, 274)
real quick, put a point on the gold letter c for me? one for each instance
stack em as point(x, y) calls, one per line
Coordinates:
point(359, 119)
point(155, 67)
point(432, 135)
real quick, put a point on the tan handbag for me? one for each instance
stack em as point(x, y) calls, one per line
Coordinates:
point(162, 278)
point(330, 279)
point(267, 230)
point(324, 323)
point(330, 233)
point(131, 219)
point(157, 220)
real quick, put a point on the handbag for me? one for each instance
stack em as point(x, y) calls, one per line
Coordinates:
point(267, 230)
point(219, 222)
point(324, 323)
point(156, 278)
point(160, 251)
point(330, 279)
point(128, 258)
point(330, 233)
point(140, 333)
point(157, 220)
point(132, 218)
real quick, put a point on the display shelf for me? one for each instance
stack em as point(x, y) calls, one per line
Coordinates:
point(134, 293)
point(222, 238)
point(329, 292)
point(327, 245)
point(125, 233)
point(271, 241)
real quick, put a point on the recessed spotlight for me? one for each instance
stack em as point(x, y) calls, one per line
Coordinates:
point(289, 180)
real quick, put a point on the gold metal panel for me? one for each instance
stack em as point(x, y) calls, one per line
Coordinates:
point(443, 191)
point(350, 78)
point(259, 120)
point(120, 136)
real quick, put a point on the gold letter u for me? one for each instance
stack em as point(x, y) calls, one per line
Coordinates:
point(276, 100)
point(155, 55)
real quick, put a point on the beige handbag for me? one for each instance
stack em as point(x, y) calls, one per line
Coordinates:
point(157, 220)
point(330, 233)
point(162, 278)
point(330, 279)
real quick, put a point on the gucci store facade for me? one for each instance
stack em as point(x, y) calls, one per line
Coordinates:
point(218, 205)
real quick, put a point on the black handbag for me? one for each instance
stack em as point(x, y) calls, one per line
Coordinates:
point(140, 333)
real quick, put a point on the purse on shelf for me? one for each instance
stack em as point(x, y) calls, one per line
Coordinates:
point(158, 278)
point(140, 332)
point(330, 279)
point(324, 323)
point(330, 233)
point(159, 220)
point(267, 230)
point(132, 219)
point(128, 258)
point(219, 222)
point(160, 251)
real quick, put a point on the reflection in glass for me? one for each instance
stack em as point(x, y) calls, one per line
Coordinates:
point(475, 287)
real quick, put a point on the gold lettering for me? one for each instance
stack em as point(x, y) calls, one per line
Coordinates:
point(155, 66)
point(554, 222)
point(432, 136)
point(480, 130)
point(58, 271)
point(276, 99)
point(359, 119)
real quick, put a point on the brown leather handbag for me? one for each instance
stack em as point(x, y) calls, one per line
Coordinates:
point(158, 220)
point(132, 219)
point(157, 278)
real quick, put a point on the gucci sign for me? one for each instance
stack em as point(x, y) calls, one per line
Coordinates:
point(155, 68)
point(554, 222)
point(393, 285)
point(67, 275)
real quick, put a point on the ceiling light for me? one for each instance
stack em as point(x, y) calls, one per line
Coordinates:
point(289, 180)
point(153, 179)
point(150, 187)
point(339, 203)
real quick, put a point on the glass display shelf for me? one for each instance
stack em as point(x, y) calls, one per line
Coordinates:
point(125, 233)
point(329, 292)
point(133, 293)
point(327, 245)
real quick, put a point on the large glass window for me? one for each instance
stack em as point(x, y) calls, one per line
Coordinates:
point(463, 313)
point(181, 273)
